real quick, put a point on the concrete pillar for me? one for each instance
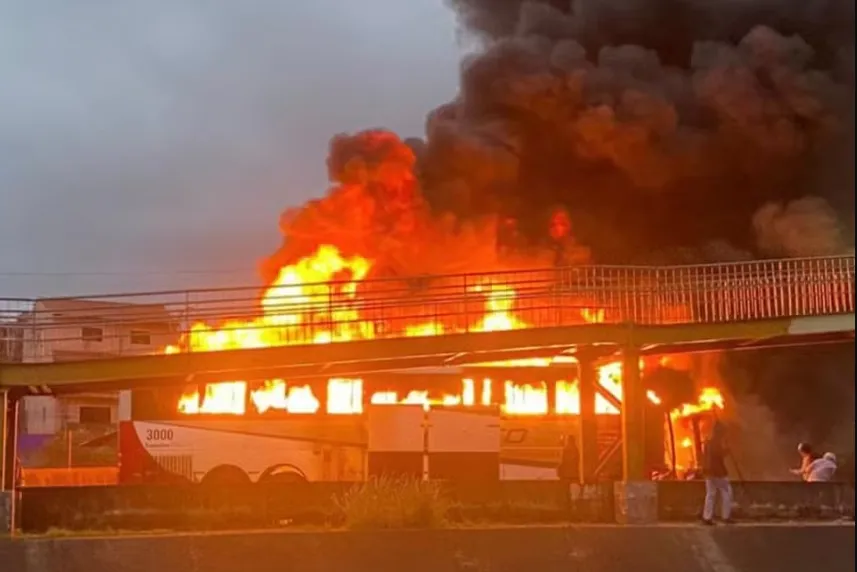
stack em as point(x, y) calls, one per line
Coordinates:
point(587, 383)
point(633, 416)
point(8, 451)
point(636, 498)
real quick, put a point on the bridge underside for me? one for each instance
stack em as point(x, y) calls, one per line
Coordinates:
point(362, 357)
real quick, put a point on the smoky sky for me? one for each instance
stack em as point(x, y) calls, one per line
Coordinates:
point(669, 131)
point(165, 137)
point(660, 131)
point(718, 129)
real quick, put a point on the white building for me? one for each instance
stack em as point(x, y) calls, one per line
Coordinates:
point(69, 329)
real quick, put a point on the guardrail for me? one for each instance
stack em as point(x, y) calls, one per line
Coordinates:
point(188, 507)
point(230, 318)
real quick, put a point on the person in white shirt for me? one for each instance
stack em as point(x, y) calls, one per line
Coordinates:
point(822, 470)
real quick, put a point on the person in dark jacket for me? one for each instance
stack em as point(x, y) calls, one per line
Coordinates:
point(716, 476)
point(569, 464)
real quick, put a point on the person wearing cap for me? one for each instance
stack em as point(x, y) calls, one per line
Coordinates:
point(716, 476)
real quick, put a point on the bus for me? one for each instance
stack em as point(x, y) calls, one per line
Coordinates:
point(451, 423)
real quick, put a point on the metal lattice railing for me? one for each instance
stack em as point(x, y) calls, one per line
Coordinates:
point(135, 324)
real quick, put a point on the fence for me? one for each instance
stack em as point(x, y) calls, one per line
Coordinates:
point(74, 455)
point(202, 320)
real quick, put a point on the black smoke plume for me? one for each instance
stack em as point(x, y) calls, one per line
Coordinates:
point(671, 131)
point(619, 131)
point(658, 125)
point(659, 130)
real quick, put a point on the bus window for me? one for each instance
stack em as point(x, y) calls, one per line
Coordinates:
point(154, 404)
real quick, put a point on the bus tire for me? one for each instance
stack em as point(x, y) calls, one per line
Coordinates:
point(229, 475)
point(282, 474)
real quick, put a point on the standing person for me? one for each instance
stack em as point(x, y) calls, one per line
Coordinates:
point(716, 476)
point(569, 464)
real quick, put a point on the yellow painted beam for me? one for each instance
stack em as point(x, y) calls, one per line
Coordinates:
point(226, 362)
point(378, 355)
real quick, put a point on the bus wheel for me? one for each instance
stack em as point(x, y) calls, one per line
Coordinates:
point(281, 476)
point(225, 475)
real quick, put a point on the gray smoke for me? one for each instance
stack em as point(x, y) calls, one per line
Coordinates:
point(659, 126)
point(670, 131)
point(801, 228)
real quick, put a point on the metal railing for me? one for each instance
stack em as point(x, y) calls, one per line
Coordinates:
point(231, 318)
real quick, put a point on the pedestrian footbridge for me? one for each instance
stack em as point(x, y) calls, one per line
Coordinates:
point(346, 328)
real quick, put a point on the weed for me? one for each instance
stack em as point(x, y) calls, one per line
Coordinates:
point(387, 503)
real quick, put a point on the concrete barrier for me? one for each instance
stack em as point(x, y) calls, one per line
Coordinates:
point(593, 548)
point(760, 501)
point(505, 502)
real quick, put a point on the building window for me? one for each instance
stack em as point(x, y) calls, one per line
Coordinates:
point(90, 334)
point(92, 414)
point(141, 338)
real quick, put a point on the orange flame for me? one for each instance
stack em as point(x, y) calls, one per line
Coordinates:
point(345, 396)
point(320, 293)
point(710, 399)
point(316, 300)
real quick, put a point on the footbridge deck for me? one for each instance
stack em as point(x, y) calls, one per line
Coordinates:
point(346, 328)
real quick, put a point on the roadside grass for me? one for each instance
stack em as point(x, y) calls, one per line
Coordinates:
point(386, 503)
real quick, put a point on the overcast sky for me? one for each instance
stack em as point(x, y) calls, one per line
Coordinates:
point(144, 141)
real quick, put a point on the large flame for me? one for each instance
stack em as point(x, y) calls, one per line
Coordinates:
point(345, 396)
point(317, 300)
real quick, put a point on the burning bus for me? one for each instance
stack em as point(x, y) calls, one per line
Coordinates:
point(452, 423)
point(507, 421)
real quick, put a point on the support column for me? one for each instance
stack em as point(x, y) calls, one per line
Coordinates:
point(7, 441)
point(8, 452)
point(587, 381)
point(633, 416)
point(636, 498)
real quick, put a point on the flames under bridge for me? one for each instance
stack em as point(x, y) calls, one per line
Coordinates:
point(293, 330)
